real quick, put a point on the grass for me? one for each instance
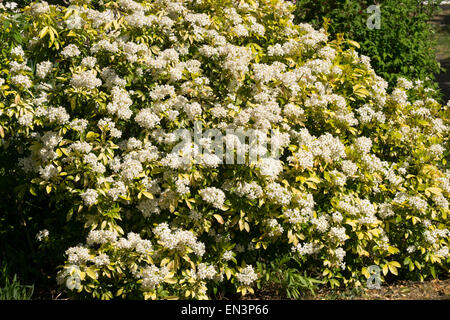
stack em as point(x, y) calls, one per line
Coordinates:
point(13, 289)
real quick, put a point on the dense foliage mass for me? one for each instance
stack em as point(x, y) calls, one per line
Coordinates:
point(94, 100)
point(400, 45)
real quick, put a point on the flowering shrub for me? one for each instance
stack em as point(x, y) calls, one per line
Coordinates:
point(97, 99)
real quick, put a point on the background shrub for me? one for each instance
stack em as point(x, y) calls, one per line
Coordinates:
point(403, 46)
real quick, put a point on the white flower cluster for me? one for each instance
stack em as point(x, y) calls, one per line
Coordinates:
point(101, 237)
point(152, 276)
point(305, 248)
point(48, 172)
point(147, 119)
point(120, 104)
point(270, 167)
point(101, 260)
point(85, 79)
point(90, 197)
point(205, 272)
point(247, 275)
point(42, 235)
point(213, 196)
point(70, 51)
point(275, 228)
point(278, 194)
point(250, 190)
point(78, 255)
point(43, 69)
point(133, 241)
point(39, 8)
point(338, 233)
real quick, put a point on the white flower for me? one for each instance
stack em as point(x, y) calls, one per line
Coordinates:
point(48, 172)
point(443, 252)
point(17, 51)
point(363, 144)
point(278, 194)
point(227, 255)
point(101, 237)
point(178, 239)
point(338, 233)
point(149, 207)
point(206, 272)
point(193, 109)
point(119, 189)
point(42, 235)
point(73, 282)
point(305, 248)
point(147, 119)
point(43, 68)
point(340, 254)
point(161, 91)
point(385, 210)
point(418, 203)
point(247, 276)
point(321, 223)
point(74, 22)
point(120, 104)
point(399, 96)
point(58, 115)
point(70, 51)
point(22, 80)
point(89, 62)
point(404, 84)
point(85, 79)
point(270, 167)
point(78, 255)
point(81, 147)
point(349, 168)
point(152, 276)
point(411, 249)
point(131, 168)
point(79, 124)
point(436, 150)
point(337, 217)
point(214, 196)
point(101, 260)
point(26, 119)
point(441, 201)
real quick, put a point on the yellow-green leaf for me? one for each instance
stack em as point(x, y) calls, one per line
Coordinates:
point(219, 218)
point(91, 273)
point(148, 194)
